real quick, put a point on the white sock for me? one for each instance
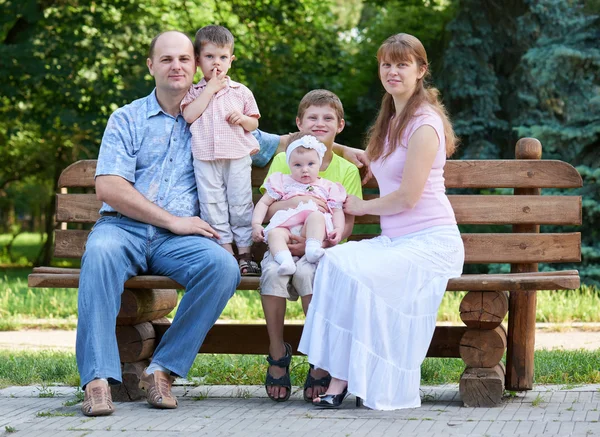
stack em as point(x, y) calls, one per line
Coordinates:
point(287, 266)
point(154, 367)
point(313, 251)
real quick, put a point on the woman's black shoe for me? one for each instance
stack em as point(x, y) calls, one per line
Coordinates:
point(331, 401)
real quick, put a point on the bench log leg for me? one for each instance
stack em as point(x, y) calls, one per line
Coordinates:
point(129, 390)
point(482, 386)
point(481, 348)
point(521, 319)
point(521, 341)
point(137, 341)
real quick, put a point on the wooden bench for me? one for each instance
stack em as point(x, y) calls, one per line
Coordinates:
point(483, 340)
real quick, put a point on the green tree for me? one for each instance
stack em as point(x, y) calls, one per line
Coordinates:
point(531, 68)
point(362, 90)
point(68, 64)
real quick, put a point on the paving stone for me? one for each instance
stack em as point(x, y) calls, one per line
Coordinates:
point(561, 412)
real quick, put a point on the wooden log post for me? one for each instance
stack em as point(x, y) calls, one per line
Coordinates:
point(484, 309)
point(141, 310)
point(522, 304)
point(136, 342)
point(482, 347)
point(482, 387)
point(139, 305)
point(129, 389)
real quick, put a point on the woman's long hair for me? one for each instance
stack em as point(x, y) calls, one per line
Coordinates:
point(402, 48)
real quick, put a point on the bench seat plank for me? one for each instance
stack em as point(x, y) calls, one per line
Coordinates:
point(560, 280)
point(498, 173)
point(469, 209)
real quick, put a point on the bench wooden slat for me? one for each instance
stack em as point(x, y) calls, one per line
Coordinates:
point(479, 248)
point(517, 248)
point(509, 209)
point(559, 280)
point(498, 173)
point(253, 339)
point(469, 209)
point(513, 173)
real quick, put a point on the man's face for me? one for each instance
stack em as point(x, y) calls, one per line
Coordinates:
point(172, 64)
point(213, 56)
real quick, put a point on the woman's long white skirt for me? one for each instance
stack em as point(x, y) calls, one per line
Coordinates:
point(373, 312)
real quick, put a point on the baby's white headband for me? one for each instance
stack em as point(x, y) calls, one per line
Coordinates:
point(308, 142)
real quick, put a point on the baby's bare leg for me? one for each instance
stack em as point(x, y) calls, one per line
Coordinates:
point(278, 240)
point(314, 231)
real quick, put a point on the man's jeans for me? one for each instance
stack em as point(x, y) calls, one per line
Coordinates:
point(119, 248)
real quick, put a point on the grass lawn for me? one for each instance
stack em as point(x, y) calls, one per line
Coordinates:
point(45, 368)
point(21, 306)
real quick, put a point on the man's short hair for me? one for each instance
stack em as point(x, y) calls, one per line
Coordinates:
point(321, 98)
point(218, 35)
point(155, 39)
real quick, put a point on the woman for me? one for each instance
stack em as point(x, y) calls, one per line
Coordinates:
point(375, 302)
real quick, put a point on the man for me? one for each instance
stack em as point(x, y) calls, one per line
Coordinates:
point(149, 224)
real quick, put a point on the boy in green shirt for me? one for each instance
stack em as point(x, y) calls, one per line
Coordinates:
point(320, 114)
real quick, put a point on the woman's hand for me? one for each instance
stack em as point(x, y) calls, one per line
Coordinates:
point(354, 206)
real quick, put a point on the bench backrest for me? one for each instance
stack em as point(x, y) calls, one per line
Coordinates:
point(525, 210)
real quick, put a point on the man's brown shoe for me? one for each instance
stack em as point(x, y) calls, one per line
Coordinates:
point(158, 389)
point(97, 399)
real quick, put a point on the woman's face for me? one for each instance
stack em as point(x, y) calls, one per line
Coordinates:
point(400, 78)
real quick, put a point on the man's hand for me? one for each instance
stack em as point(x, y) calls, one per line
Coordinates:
point(297, 245)
point(192, 226)
point(354, 206)
point(235, 117)
point(295, 201)
point(216, 83)
point(258, 233)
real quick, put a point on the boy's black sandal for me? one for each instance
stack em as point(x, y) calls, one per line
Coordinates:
point(312, 382)
point(248, 267)
point(284, 381)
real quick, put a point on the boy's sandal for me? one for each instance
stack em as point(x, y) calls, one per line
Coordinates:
point(312, 382)
point(284, 381)
point(248, 267)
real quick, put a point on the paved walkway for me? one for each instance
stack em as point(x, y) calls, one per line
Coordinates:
point(245, 411)
point(548, 336)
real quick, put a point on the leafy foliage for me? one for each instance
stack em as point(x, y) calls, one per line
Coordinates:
point(519, 68)
point(530, 68)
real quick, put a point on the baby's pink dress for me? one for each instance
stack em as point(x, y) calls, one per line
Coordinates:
point(282, 187)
